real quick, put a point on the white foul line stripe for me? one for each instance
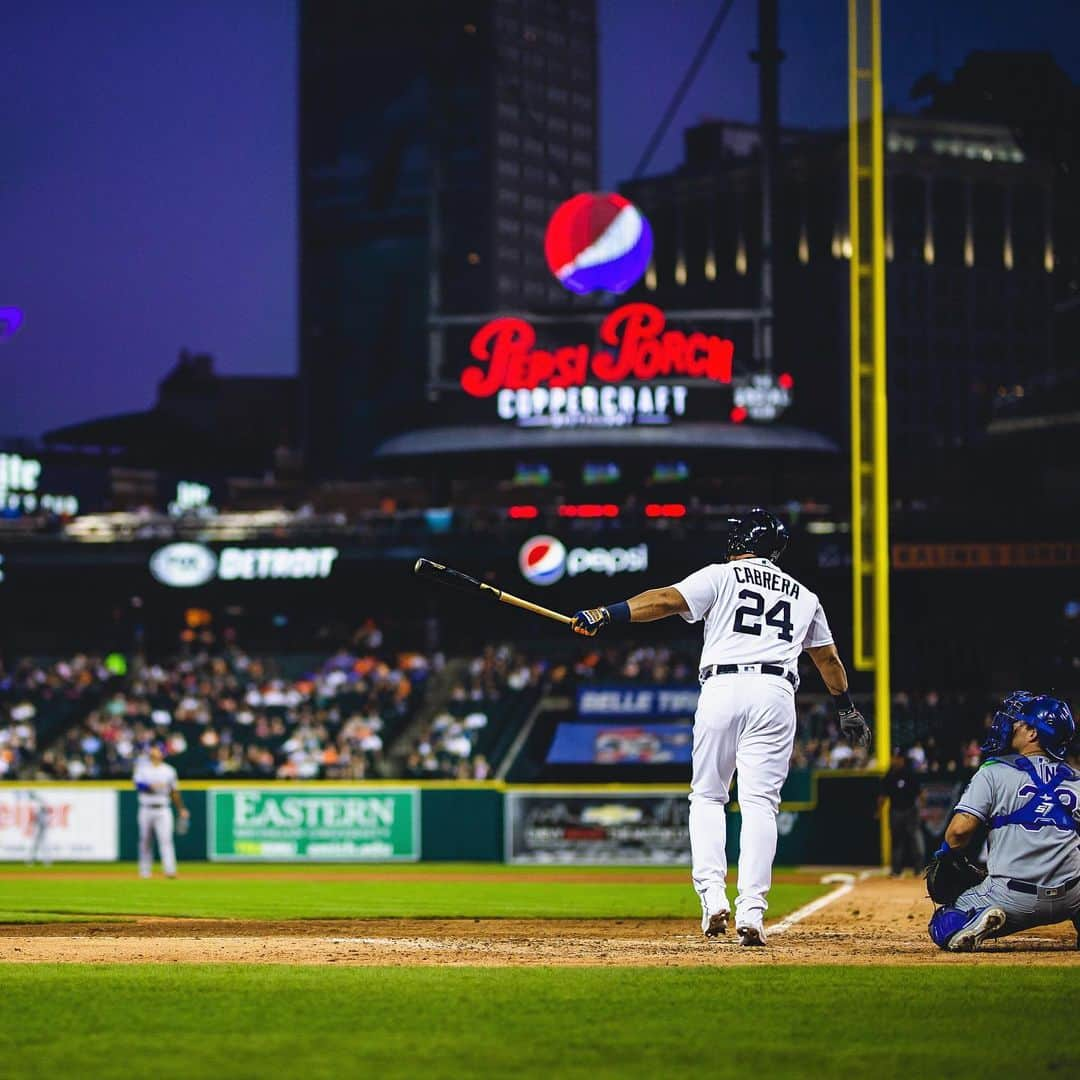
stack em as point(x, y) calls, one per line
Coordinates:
point(797, 916)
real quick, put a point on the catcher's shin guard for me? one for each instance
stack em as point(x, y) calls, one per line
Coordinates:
point(964, 931)
point(944, 923)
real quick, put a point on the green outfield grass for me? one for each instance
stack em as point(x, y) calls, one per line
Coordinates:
point(196, 1021)
point(209, 890)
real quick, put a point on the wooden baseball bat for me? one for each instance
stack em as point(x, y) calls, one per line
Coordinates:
point(444, 574)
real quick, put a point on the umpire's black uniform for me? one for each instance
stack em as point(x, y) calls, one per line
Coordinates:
point(902, 786)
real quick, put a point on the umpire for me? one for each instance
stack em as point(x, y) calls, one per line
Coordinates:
point(902, 787)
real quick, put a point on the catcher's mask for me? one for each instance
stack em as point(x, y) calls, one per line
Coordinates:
point(759, 533)
point(1049, 716)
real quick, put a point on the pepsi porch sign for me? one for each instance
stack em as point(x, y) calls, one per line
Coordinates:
point(544, 560)
point(644, 350)
point(638, 375)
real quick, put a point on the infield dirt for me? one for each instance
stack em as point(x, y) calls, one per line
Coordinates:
point(879, 922)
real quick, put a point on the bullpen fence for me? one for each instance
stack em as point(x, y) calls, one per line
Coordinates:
point(826, 818)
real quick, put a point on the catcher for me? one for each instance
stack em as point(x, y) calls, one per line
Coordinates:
point(1028, 800)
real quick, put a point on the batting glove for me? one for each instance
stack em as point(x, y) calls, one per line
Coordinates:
point(856, 730)
point(589, 622)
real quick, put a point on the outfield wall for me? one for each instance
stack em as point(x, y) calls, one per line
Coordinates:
point(482, 822)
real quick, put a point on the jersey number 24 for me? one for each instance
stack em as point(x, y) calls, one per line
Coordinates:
point(747, 617)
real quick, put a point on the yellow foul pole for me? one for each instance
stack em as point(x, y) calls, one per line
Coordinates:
point(869, 402)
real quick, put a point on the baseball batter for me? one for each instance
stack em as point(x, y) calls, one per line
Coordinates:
point(1029, 801)
point(758, 620)
point(156, 783)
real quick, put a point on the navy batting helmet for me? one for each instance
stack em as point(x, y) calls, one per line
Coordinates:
point(759, 533)
point(1049, 716)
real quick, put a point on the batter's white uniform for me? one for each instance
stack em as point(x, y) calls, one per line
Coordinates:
point(754, 614)
point(155, 783)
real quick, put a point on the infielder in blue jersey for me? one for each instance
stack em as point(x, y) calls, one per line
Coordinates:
point(1028, 800)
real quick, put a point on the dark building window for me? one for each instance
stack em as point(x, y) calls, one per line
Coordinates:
point(909, 218)
point(949, 222)
point(1028, 233)
point(988, 223)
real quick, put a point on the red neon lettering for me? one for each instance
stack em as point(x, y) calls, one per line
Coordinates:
point(635, 328)
point(502, 343)
point(507, 359)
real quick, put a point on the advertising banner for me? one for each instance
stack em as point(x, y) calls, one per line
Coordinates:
point(984, 556)
point(58, 824)
point(642, 702)
point(342, 824)
point(608, 827)
point(627, 744)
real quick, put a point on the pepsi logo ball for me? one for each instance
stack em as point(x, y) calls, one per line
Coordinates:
point(598, 242)
point(542, 560)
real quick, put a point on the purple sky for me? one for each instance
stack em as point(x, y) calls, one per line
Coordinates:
point(148, 187)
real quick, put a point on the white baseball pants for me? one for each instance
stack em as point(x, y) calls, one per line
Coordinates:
point(744, 723)
point(154, 820)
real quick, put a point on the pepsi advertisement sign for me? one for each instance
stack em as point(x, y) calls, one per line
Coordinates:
point(598, 242)
point(544, 560)
point(635, 369)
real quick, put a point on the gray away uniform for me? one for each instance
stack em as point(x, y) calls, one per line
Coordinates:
point(1032, 808)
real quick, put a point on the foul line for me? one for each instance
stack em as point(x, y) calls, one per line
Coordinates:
point(848, 882)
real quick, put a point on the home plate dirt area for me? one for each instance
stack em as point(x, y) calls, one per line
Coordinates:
point(874, 920)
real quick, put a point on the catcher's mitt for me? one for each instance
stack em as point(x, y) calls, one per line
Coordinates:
point(949, 874)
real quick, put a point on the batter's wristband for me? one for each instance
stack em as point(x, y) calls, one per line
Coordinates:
point(619, 612)
point(843, 702)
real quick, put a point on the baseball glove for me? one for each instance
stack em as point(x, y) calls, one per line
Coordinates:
point(950, 874)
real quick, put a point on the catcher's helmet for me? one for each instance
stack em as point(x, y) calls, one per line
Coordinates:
point(759, 533)
point(1049, 716)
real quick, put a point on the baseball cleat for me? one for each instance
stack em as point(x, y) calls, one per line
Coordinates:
point(750, 935)
point(982, 926)
point(716, 924)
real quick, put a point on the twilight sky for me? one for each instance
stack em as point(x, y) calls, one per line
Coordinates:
point(147, 194)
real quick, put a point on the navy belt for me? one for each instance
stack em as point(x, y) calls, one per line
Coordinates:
point(1042, 891)
point(744, 669)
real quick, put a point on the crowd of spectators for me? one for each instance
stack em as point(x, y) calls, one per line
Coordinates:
point(39, 699)
point(452, 744)
point(218, 711)
point(221, 712)
point(940, 734)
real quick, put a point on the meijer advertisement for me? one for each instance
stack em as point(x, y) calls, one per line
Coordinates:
point(54, 824)
point(315, 825)
point(608, 827)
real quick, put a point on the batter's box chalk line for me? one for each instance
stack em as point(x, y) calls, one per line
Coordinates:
point(844, 882)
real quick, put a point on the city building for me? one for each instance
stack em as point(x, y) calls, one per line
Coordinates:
point(969, 250)
point(429, 165)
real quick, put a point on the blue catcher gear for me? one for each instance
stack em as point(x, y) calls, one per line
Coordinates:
point(947, 922)
point(759, 533)
point(1049, 716)
point(999, 736)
